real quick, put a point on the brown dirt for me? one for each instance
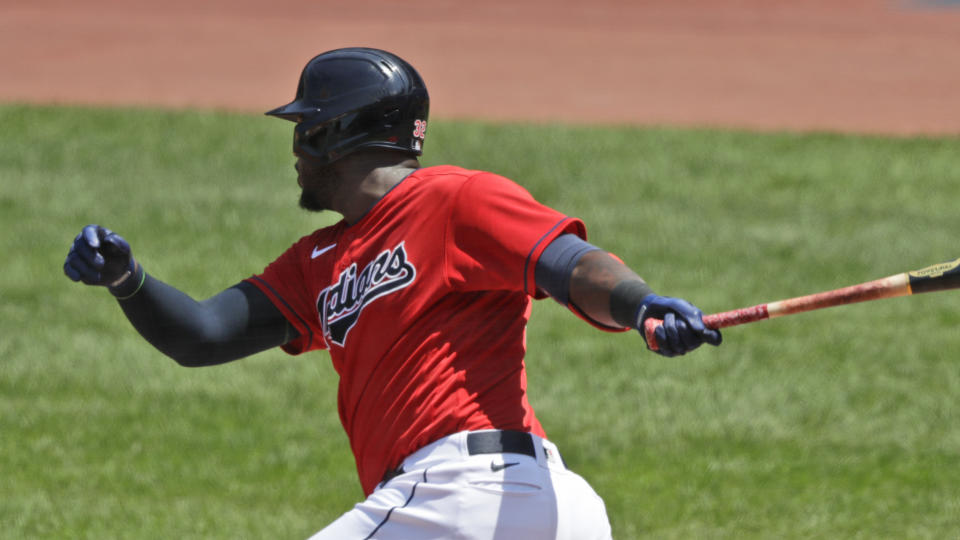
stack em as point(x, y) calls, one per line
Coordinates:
point(873, 66)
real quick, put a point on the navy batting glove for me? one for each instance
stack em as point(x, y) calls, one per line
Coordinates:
point(100, 256)
point(682, 330)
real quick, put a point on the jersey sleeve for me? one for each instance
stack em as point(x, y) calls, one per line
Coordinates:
point(283, 283)
point(495, 235)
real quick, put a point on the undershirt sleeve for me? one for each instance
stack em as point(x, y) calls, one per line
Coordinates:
point(555, 266)
point(238, 322)
point(282, 282)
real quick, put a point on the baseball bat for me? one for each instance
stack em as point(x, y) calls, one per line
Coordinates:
point(939, 277)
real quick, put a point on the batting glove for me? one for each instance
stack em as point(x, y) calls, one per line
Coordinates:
point(100, 256)
point(682, 330)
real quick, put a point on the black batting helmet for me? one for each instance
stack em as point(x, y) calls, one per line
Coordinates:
point(355, 98)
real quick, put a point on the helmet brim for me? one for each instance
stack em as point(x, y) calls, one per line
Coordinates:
point(293, 111)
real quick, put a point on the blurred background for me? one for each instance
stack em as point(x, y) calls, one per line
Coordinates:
point(882, 66)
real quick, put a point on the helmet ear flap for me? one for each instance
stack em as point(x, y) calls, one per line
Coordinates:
point(392, 116)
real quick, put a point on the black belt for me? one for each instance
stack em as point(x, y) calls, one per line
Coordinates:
point(488, 442)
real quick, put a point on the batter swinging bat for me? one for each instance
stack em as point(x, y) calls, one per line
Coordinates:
point(938, 277)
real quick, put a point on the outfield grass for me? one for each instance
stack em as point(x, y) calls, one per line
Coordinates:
point(841, 423)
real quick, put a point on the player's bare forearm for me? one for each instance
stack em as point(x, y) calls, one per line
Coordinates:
point(592, 282)
point(607, 291)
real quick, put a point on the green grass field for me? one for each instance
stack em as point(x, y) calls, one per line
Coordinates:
point(841, 423)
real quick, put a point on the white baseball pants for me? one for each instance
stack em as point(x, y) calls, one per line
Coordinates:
point(445, 492)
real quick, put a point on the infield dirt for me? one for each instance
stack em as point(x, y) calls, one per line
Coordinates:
point(868, 66)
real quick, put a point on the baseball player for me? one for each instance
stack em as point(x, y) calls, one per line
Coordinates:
point(421, 295)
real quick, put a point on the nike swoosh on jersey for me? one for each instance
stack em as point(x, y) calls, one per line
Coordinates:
point(320, 251)
point(497, 467)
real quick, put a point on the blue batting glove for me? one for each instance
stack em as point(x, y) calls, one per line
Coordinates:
point(100, 256)
point(682, 330)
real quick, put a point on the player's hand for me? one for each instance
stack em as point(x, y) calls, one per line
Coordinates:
point(100, 256)
point(682, 330)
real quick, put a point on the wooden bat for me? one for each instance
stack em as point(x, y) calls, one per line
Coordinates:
point(938, 277)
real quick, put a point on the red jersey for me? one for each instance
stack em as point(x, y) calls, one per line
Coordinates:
point(423, 305)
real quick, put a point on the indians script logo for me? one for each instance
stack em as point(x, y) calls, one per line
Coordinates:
point(340, 304)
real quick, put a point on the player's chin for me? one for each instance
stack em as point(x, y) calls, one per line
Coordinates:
point(310, 203)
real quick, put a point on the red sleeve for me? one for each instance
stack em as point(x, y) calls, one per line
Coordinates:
point(283, 283)
point(496, 233)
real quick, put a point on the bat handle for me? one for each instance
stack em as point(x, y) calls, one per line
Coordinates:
point(649, 328)
point(715, 321)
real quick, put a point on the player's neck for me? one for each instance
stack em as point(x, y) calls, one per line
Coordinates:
point(367, 181)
